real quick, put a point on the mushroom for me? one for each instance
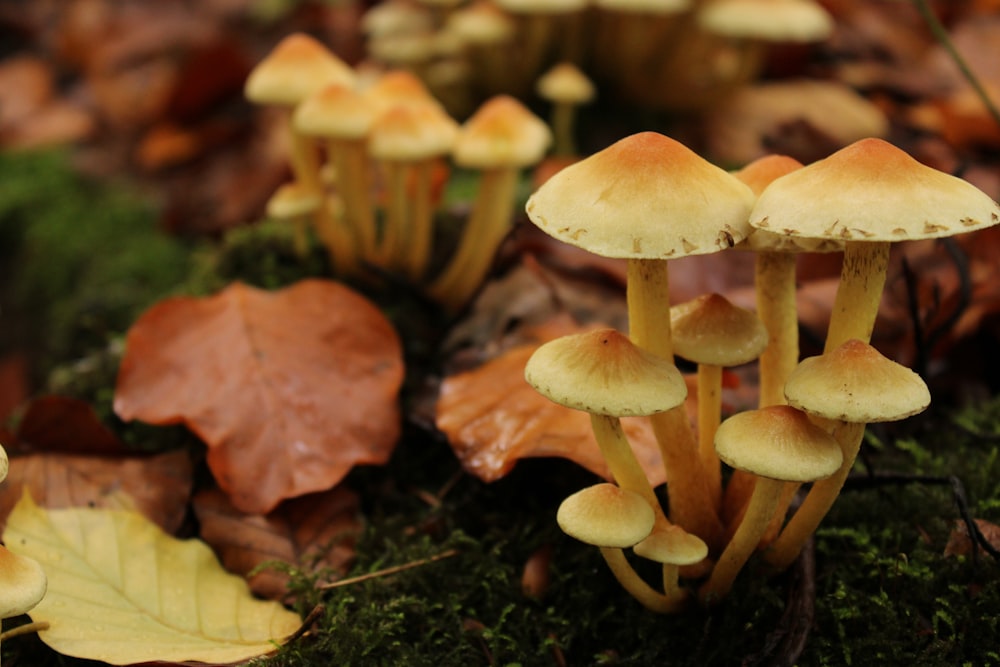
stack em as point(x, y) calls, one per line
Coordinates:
point(851, 386)
point(869, 195)
point(499, 139)
point(298, 66)
point(778, 444)
point(713, 333)
point(294, 203)
point(673, 547)
point(342, 117)
point(612, 519)
point(408, 139)
point(566, 87)
point(648, 198)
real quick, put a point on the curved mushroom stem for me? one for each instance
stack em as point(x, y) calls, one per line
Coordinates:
point(648, 298)
point(862, 277)
point(785, 549)
point(485, 229)
point(759, 512)
point(637, 588)
point(621, 461)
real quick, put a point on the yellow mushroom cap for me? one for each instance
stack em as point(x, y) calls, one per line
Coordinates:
point(605, 515)
point(296, 67)
point(872, 191)
point(710, 329)
point(4, 464)
point(501, 133)
point(767, 20)
point(22, 583)
point(564, 82)
point(646, 196)
point(293, 200)
point(412, 132)
point(335, 111)
point(672, 545)
point(778, 442)
point(481, 23)
point(397, 87)
point(856, 383)
point(602, 372)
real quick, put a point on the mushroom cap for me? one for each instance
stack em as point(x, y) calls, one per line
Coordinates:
point(296, 67)
point(412, 132)
point(856, 383)
point(336, 112)
point(501, 133)
point(22, 583)
point(481, 23)
point(4, 464)
point(767, 20)
point(395, 17)
point(602, 372)
point(564, 82)
point(644, 197)
point(397, 87)
point(293, 200)
point(673, 546)
point(778, 442)
point(541, 6)
point(652, 7)
point(764, 170)
point(605, 515)
point(710, 329)
point(872, 191)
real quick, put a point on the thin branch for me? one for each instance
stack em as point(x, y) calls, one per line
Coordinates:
point(388, 571)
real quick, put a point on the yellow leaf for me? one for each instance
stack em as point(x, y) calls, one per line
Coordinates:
point(123, 591)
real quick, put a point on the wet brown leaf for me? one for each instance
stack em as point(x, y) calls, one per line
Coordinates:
point(289, 389)
point(64, 424)
point(314, 532)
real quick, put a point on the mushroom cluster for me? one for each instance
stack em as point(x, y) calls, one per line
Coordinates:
point(649, 199)
point(370, 154)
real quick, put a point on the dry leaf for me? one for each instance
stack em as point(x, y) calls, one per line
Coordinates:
point(65, 424)
point(157, 486)
point(493, 418)
point(959, 542)
point(122, 591)
point(314, 532)
point(289, 389)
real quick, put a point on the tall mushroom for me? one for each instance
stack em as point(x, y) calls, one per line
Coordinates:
point(648, 198)
point(566, 88)
point(851, 386)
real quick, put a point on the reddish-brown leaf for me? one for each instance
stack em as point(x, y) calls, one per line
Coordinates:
point(289, 389)
point(960, 544)
point(157, 486)
point(314, 532)
point(64, 424)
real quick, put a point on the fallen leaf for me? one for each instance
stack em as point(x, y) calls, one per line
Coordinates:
point(493, 418)
point(122, 591)
point(65, 424)
point(960, 544)
point(157, 486)
point(289, 389)
point(314, 532)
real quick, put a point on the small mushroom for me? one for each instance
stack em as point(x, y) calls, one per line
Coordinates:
point(674, 548)
point(778, 444)
point(850, 386)
point(294, 203)
point(566, 88)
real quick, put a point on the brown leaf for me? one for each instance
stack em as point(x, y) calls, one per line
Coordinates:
point(314, 532)
point(289, 389)
point(64, 424)
point(157, 486)
point(493, 418)
point(959, 542)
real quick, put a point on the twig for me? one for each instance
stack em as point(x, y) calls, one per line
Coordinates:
point(388, 571)
point(310, 619)
point(941, 35)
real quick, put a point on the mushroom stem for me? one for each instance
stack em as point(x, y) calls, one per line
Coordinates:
point(350, 163)
point(485, 229)
point(763, 502)
point(563, 118)
point(648, 298)
point(785, 549)
point(862, 277)
point(396, 208)
point(421, 227)
point(709, 415)
point(621, 461)
point(637, 588)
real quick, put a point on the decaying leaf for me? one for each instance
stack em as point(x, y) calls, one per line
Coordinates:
point(122, 591)
point(960, 544)
point(314, 532)
point(65, 424)
point(493, 418)
point(289, 389)
point(157, 486)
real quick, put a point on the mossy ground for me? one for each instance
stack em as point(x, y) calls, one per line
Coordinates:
point(885, 592)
